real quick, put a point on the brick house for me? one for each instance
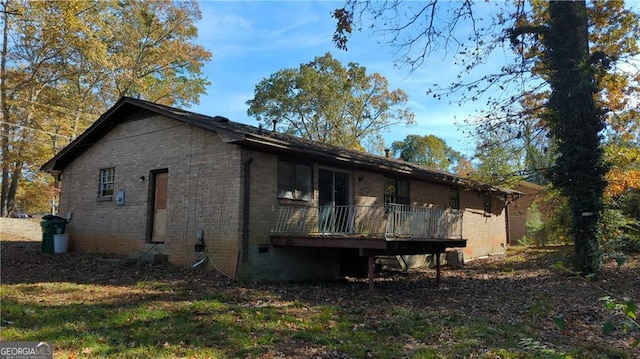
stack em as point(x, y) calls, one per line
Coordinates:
point(147, 179)
point(520, 211)
point(534, 201)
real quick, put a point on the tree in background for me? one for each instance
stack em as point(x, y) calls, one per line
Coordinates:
point(621, 231)
point(65, 62)
point(495, 166)
point(325, 102)
point(429, 151)
point(504, 159)
point(623, 152)
point(556, 63)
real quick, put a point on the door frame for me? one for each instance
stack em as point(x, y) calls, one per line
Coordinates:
point(328, 220)
point(348, 182)
point(151, 202)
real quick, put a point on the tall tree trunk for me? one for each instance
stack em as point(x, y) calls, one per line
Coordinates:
point(576, 124)
point(4, 107)
point(13, 187)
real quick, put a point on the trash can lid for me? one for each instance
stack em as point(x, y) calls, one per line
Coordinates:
point(51, 217)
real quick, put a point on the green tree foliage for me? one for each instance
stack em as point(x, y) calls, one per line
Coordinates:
point(630, 204)
point(430, 151)
point(65, 62)
point(495, 166)
point(325, 102)
point(514, 152)
point(619, 231)
point(561, 79)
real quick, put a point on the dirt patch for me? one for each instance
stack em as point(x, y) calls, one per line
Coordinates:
point(521, 289)
point(20, 229)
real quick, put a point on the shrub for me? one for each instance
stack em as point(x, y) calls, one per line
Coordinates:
point(619, 232)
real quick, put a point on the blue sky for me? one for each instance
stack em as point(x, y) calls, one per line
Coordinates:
point(250, 40)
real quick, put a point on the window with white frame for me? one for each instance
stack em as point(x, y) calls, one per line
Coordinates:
point(294, 181)
point(107, 180)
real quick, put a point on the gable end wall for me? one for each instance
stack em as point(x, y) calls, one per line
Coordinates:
point(203, 193)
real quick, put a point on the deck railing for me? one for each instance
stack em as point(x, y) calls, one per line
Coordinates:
point(423, 222)
point(393, 221)
point(330, 220)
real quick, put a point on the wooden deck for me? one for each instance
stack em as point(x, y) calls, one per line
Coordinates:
point(371, 246)
point(373, 230)
point(329, 241)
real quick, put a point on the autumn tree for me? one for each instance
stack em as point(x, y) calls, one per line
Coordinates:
point(623, 152)
point(430, 151)
point(326, 102)
point(65, 62)
point(579, 47)
point(576, 122)
point(556, 63)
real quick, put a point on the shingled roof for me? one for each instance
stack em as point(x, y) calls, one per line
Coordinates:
point(252, 137)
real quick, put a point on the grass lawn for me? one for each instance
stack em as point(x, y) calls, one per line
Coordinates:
point(512, 306)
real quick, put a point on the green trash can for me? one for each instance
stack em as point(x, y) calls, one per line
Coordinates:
point(51, 225)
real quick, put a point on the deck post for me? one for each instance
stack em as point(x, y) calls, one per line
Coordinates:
point(438, 269)
point(371, 271)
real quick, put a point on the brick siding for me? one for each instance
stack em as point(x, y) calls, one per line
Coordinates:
point(206, 191)
point(203, 190)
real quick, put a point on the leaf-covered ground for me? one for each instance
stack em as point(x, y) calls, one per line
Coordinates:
point(514, 306)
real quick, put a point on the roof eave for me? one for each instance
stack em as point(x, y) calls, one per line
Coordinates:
point(252, 140)
point(241, 137)
point(105, 123)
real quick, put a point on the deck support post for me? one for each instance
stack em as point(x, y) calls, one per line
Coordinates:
point(371, 271)
point(437, 269)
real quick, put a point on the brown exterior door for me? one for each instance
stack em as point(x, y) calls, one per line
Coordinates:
point(161, 180)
